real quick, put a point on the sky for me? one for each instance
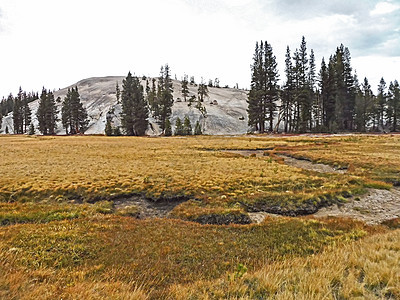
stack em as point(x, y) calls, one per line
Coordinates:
point(55, 43)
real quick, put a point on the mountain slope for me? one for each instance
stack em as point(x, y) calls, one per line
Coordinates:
point(226, 107)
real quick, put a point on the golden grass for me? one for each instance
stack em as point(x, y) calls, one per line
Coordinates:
point(72, 250)
point(111, 251)
point(368, 269)
point(94, 168)
point(374, 157)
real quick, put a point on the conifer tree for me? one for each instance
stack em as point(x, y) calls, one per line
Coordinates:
point(185, 89)
point(394, 105)
point(73, 115)
point(47, 113)
point(264, 91)
point(187, 126)
point(303, 94)
point(134, 115)
point(381, 103)
point(255, 110)
point(165, 99)
point(288, 93)
point(178, 127)
point(152, 98)
point(168, 128)
point(18, 114)
point(26, 112)
point(31, 129)
point(197, 129)
point(271, 88)
point(363, 106)
point(117, 92)
point(108, 129)
point(202, 92)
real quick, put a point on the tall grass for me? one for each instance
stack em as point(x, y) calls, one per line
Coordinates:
point(368, 269)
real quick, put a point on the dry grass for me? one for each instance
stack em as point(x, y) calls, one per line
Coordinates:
point(95, 168)
point(109, 251)
point(53, 244)
point(371, 157)
point(368, 269)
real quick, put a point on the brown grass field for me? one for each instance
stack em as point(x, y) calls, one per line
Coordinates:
point(62, 237)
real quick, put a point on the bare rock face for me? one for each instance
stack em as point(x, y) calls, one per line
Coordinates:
point(225, 107)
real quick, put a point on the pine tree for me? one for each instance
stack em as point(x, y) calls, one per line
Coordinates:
point(31, 129)
point(47, 113)
point(18, 114)
point(134, 115)
point(127, 95)
point(187, 127)
point(168, 128)
point(304, 98)
point(271, 88)
point(288, 93)
point(197, 129)
point(315, 114)
point(165, 98)
point(363, 106)
point(255, 110)
point(117, 92)
point(349, 104)
point(202, 92)
point(394, 105)
point(381, 103)
point(324, 90)
point(73, 115)
point(264, 90)
point(185, 89)
point(26, 112)
point(178, 127)
point(51, 113)
point(7, 131)
point(152, 98)
point(108, 130)
point(41, 112)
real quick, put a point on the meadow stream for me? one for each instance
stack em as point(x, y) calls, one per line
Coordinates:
point(374, 207)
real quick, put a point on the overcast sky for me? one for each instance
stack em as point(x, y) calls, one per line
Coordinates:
point(57, 43)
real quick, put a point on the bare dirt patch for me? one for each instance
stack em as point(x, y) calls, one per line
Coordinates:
point(373, 208)
point(308, 165)
point(147, 208)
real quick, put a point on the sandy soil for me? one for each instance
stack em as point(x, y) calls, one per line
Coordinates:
point(308, 165)
point(147, 208)
point(374, 207)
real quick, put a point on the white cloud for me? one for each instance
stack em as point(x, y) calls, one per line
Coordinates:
point(383, 8)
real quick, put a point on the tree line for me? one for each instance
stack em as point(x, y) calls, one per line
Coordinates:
point(73, 115)
point(331, 100)
point(20, 105)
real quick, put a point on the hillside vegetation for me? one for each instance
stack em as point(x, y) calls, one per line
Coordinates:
point(64, 233)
